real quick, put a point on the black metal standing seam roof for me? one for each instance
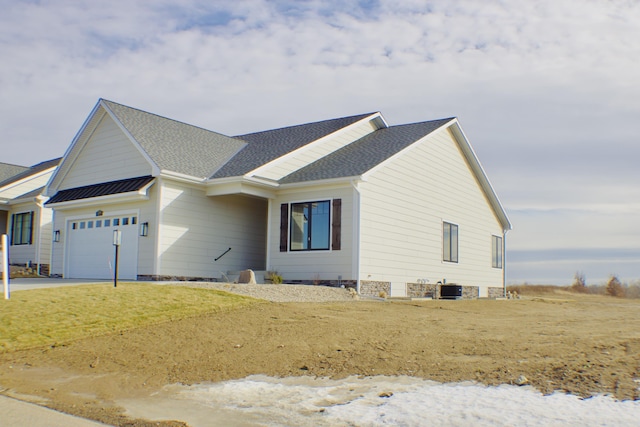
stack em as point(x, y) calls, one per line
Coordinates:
point(266, 146)
point(103, 189)
point(364, 154)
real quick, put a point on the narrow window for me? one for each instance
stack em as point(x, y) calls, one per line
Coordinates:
point(134, 220)
point(74, 226)
point(310, 226)
point(22, 228)
point(125, 221)
point(496, 252)
point(98, 223)
point(449, 242)
point(116, 222)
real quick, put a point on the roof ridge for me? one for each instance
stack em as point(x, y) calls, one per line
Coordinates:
point(305, 124)
point(164, 117)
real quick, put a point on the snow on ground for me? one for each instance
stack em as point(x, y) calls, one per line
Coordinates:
point(377, 401)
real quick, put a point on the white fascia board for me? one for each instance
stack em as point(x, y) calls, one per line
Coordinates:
point(71, 154)
point(253, 186)
point(275, 162)
point(478, 170)
point(154, 167)
point(177, 176)
point(347, 180)
point(132, 196)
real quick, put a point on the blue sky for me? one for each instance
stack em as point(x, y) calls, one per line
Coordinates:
point(547, 93)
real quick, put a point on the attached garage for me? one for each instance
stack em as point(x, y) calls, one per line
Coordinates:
point(90, 250)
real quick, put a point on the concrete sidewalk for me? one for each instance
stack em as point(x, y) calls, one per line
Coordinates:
point(18, 413)
point(23, 284)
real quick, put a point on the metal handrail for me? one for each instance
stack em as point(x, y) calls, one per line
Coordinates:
point(223, 254)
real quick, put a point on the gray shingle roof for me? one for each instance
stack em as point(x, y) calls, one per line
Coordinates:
point(26, 172)
point(7, 171)
point(362, 155)
point(102, 189)
point(176, 146)
point(266, 146)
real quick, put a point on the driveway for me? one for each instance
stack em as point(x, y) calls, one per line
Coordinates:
point(23, 284)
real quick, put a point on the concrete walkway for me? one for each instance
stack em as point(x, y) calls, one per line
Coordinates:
point(18, 413)
point(23, 284)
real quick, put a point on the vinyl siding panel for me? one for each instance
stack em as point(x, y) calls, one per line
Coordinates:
point(196, 229)
point(25, 186)
point(108, 155)
point(315, 151)
point(403, 207)
point(309, 265)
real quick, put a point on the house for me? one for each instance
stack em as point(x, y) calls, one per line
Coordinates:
point(23, 216)
point(348, 202)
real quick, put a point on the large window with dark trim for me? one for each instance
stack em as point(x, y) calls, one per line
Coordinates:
point(310, 226)
point(449, 242)
point(496, 251)
point(22, 228)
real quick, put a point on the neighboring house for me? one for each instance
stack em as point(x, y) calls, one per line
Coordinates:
point(23, 216)
point(350, 201)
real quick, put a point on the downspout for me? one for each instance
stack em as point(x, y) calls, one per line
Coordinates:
point(39, 203)
point(504, 263)
point(356, 234)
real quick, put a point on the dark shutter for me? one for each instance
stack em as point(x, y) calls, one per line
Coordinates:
point(13, 231)
point(336, 226)
point(284, 226)
point(30, 227)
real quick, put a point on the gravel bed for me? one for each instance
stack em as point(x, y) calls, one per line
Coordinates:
point(277, 293)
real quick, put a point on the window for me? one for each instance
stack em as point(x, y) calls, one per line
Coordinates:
point(310, 226)
point(98, 223)
point(74, 226)
point(22, 228)
point(496, 252)
point(450, 242)
point(82, 225)
point(125, 221)
point(107, 222)
point(116, 222)
point(90, 224)
point(134, 220)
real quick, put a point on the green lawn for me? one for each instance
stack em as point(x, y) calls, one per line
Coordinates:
point(57, 315)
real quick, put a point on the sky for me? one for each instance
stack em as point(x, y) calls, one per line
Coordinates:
point(546, 91)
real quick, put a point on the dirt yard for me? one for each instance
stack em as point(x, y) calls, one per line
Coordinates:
point(580, 344)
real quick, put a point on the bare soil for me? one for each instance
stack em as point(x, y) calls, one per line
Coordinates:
point(580, 344)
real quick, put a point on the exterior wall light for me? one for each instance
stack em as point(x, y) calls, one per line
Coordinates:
point(144, 229)
point(56, 236)
point(99, 213)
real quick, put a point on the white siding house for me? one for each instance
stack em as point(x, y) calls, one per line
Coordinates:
point(24, 218)
point(345, 202)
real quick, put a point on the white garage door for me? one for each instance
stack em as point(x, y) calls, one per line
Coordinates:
point(90, 250)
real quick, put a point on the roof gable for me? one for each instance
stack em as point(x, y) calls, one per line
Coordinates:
point(361, 156)
point(175, 146)
point(264, 147)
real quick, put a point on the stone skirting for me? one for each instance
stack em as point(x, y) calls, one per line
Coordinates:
point(496, 293)
point(431, 290)
point(320, 282)
point(372, 288)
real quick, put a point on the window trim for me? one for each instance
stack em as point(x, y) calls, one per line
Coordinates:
point(450, 257)
point(309, 243)
point(497, 251)
point(14, 227)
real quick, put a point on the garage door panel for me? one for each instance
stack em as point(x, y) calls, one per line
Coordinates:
point(90, 250)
